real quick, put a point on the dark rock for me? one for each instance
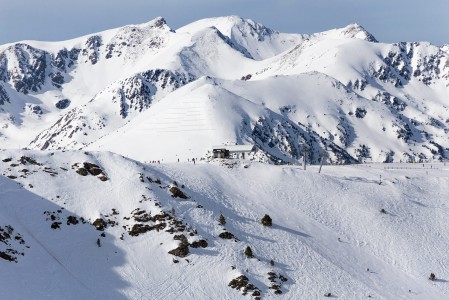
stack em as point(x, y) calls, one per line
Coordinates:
point(99, 224)
point(89, 165)
point(62, 104)
point(177, 193)
point(160, 226)
point(199, 244)
point(95, 171)
point(56, 225)
point(82, 172)
point(183, 248)
point(72, 220)
point(181, 251)
point(256, 293)
point(226, 235)
point(181, 238)
point(139, 229)
point(241, 283)
point(360, 113)
point(25, 159)
point(7, 257)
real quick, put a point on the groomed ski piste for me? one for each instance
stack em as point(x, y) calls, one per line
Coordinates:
point(103, 230)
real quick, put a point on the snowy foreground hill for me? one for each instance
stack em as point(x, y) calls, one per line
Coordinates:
point(96, 225)
point(150, 92)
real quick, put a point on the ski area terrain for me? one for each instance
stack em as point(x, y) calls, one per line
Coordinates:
point(355, 231)
point(109, 188)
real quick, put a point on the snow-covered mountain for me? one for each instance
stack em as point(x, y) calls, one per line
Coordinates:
point(149, 92)
point(95, 225)
point(83, 215)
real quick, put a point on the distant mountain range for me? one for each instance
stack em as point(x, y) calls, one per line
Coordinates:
point(150, 92)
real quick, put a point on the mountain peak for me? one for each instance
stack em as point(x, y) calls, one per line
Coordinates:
point(355, 30)
point(351, 31)
point(158, 22)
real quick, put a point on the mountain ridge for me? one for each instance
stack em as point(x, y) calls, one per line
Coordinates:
point(39, 87)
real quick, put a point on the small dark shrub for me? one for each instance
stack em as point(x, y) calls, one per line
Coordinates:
point(383, 211)
point(222, 220)
point(266, 220)
point(432, 277)
point(249, 252)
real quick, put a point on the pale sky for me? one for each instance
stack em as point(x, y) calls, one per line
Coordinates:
point(388, 20)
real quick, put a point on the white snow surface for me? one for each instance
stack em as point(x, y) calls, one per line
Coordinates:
point(328, 234)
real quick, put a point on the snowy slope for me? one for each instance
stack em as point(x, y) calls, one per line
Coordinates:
point(252, 38)
point(278, 115)
point(328, 234)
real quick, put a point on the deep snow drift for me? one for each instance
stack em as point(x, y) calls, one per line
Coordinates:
point(328, 235)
